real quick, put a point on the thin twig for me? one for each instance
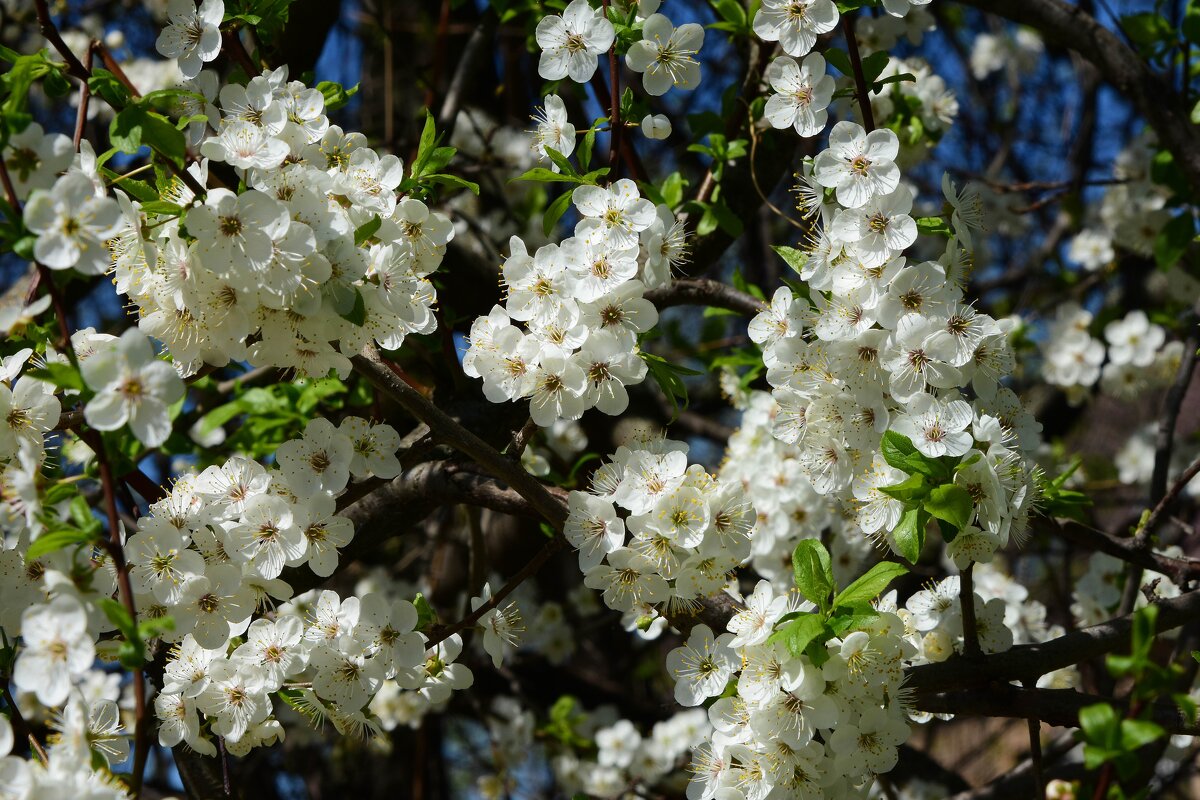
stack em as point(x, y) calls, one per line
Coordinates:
point(447, 430)
point(19, 724)
point(614, 105)
point(549, 549)
point(860, 78)
point(966, 596)
point(85, 96)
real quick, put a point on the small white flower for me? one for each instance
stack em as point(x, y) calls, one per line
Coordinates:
point(554, 130)
point(132, 387)
point(656, 126)
point(72, 224)
point(572, 44)
point(702, 667)
point(192, 34)
point(57, 649)
point(803, 91)
point(666, 55)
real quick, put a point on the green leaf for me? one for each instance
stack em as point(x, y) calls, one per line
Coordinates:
point(1191, 24)
point(1099, 724)
point(952, 504)
point(1173, 240)
point(934, 226)
point(1147, 29)
point(901, 453)
point(667, 375)
point(812, 570)
point(913, 487)
point(1137, 733)
point(799, 633)
point(64, 376)
point(796, 259)
point(555, 211)
point(845, 620)
point(672, 189)
point(584, 153)
point(870, 585)
point(54, 541)
point(909, 535)
point(335, 94)
point(426, 616)
point(357, 315)
point(543, 175)
point(132, 653)
point(874, 65)
point(561, 162)
point(368, 229)
point(840, 60)
point(450, 180)
point(136, 127)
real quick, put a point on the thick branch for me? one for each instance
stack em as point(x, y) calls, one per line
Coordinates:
point(705, 292)
point(447, 430)
point(1177, 569)
point(1053, 706)
point(1033, 660)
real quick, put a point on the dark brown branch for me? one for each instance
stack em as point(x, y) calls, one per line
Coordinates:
point(966, 598)
point(1033, 660)
point(1058, 707)
point(447, 430)
point(1177, 569)
point(705, 292)
point(860, 78)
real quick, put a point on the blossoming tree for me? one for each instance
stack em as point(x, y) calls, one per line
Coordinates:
point(728, 454)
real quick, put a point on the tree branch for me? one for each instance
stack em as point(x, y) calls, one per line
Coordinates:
point(447, 430)
point(1058, 707)
point(705, 292)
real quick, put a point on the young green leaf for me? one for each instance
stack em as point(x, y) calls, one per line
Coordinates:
point(871, 584)
point(813, 572)
point(952, 504)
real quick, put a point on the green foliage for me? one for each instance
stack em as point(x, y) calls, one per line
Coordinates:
point(138, 126)
point(335, 94)
point(563, 721)
point(272, 415)
point(268, 17)
point(425, 172)
point(812, 570)
point(669, 377)
point(837, 613)
point(17, 81)
point(1059, 502)
point(929, 492)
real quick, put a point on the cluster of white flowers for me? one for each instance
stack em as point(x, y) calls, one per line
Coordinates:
point(625, 757)
point(319, 255)
point(209, 555)
point(687, 529)
point(582, 304)
point(88, 742)
point(794, 727)
point(787, 506)
point(573, 43)
point(885, 344)
point(326, 656)
point(1138, 355)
